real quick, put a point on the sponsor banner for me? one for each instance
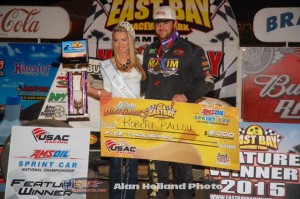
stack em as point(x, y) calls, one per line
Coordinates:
point(153, 129)
point(27, 70)
point(46, 162)
point(34, 22)
point(213, 21)
point(277, 24)
point(55, 105)
point(269, 164)
point(270, 84)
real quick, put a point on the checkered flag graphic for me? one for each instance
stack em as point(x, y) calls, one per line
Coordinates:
point(98, 8)
point(223, 9)
point(273, 132)
point(152, 107)
point(225, 85)
point(169, 108)
point(242, 131)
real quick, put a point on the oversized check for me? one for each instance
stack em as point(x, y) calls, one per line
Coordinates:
point(187, 133)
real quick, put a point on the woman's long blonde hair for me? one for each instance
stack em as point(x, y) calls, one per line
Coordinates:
point(134, 60)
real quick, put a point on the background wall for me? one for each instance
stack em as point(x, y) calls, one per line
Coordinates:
point(244, 12)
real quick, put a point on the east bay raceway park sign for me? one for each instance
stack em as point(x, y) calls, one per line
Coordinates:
point(210, 24)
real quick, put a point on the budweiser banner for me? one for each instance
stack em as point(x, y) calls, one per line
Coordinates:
point(271, 84)
point(153, 129)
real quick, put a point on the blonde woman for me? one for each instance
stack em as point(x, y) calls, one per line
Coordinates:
point(124, 67)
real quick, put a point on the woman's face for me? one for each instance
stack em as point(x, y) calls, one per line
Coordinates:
point(121, 42)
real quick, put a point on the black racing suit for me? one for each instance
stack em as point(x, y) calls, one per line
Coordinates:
point(182, 69)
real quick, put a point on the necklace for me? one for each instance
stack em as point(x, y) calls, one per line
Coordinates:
point(126, 65)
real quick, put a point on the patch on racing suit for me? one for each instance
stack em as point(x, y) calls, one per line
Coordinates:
point(205, 62)
point(178, 52)
point(152, 51)
point(167, 67)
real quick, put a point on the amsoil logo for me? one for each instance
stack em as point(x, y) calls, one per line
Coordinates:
point(113, 146)
point(40, 134)
point(256, 138)
point(215, 112)
point(50, 154)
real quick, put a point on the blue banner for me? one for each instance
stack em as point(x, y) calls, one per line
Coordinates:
point(28, 70)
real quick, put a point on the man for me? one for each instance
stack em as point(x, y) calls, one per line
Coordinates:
point(178, 71)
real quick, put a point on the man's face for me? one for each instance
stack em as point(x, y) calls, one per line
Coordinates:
point(165, 29)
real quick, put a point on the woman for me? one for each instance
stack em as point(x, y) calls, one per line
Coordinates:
point(126, 66)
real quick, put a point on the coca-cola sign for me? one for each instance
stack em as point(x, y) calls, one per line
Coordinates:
point(33, 22)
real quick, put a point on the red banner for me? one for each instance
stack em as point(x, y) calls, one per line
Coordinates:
point(271, 84)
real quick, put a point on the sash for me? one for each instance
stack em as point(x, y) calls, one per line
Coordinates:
point(117, 80)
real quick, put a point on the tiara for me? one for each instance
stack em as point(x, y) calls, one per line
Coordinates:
point(128, 27)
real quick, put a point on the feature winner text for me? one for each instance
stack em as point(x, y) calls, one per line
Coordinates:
point(269, 173)
point(39, 188)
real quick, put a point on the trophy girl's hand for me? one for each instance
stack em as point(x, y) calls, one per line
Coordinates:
point(94, 92)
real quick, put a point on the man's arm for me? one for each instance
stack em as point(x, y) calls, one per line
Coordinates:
point(203, 81)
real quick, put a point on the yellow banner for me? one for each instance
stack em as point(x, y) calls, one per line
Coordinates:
point(187, 133)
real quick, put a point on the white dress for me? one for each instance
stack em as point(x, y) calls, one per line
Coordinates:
point(131, 78)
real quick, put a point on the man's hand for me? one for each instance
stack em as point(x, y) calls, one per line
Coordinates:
point(210, 78)
point(178, 98)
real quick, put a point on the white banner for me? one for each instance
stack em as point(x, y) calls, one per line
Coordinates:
point(34, 22)
point(46, 162)
point(277, 24)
